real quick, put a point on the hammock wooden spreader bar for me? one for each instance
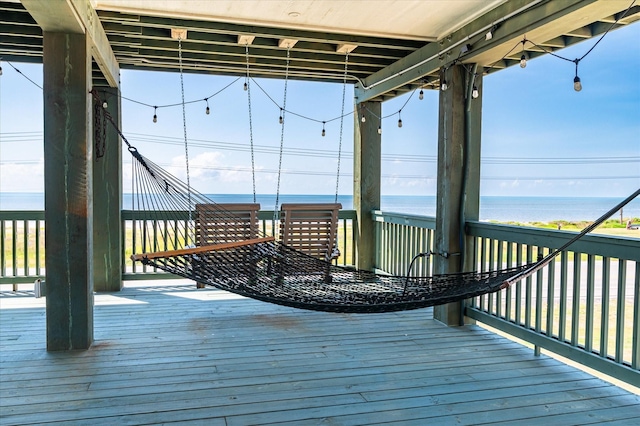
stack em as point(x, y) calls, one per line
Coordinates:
point(202, 249)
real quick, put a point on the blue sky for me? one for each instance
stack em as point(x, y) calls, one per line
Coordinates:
point(540, 137)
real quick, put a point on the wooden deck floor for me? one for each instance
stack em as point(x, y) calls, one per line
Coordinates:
point(173, 354)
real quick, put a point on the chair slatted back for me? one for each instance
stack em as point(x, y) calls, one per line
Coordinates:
point(310, 228)
point(220, 223)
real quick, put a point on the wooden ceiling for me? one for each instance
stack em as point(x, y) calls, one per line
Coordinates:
point(395, 46)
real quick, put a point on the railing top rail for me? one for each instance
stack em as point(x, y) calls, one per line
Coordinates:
point(21, 214)
point(404, 219)
point(627, 248)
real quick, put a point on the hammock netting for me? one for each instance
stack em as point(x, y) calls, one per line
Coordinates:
point(267, 270)
point(273, 272)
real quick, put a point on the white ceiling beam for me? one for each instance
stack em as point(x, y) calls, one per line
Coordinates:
point(287, 43)
point(78, 17)
point(178, 33)
point(245, 39)
point(346, 48)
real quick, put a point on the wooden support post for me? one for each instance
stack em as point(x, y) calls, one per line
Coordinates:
point(366, 178)
point(458, 189)
point(68, 190)
point(107, 197)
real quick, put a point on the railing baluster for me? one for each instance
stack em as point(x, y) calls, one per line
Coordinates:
point(551, 297)
point(620, 311)
point(635, 344)
point(604, 319)
point(429, 233)
point(499, 265)
point(37, 248)
point(588, 338)
point(483, 265)
point(123, 243)
point(519, 286)
point(492, 260)
point(154, 223)
point(538, 303)
point(538, 315)
point(575, 307)
point(14, 254)
point(377, 238)
point(134, 241)
point(25, 239)
point(564, 280)
point(3, 260)
point(509, 292)
point(165, 234)
point(145, 241)
point(527, 297)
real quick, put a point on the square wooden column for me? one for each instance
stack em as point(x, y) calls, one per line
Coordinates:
point(366, 179)
point(107, 195)
point(458, 188)
point(68, 190)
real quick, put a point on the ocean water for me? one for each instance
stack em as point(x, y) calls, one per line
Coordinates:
point(518, 209)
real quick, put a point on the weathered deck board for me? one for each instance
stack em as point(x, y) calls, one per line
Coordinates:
point(176, 354)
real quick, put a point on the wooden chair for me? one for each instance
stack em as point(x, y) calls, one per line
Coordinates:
point(225, 223)
point(310, 228)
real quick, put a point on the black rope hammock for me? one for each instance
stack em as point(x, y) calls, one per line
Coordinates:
point(259, 267)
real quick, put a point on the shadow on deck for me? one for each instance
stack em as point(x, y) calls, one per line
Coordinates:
point(171, 353)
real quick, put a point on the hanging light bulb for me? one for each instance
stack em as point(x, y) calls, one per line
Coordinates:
point(155, 116)
point(105, 105)
point(323, 132)
point(379, 130)
point(444, 86)
point(0, 70)
point(421, 94)
point(207, 110)
point(475, 93)
point(577, 85)
point(281, 119)
point(399, 119)
point(363, 119)
point(246, 86)
point(523, 58)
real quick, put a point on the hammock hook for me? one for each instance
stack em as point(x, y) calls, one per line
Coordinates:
point(406, 282)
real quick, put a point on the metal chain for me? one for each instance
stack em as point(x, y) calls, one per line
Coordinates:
point(283, 112)
point(344, 91)
point(186, 144)
point(248, 86)
point(99, 129)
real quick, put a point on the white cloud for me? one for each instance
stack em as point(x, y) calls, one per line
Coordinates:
point(23, 176)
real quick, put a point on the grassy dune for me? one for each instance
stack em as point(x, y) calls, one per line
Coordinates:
point(609, 227)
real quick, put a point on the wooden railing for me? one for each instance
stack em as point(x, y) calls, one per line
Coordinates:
point(21, 246)
point(22, 242)
point(399, 237)
point(584, 306)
